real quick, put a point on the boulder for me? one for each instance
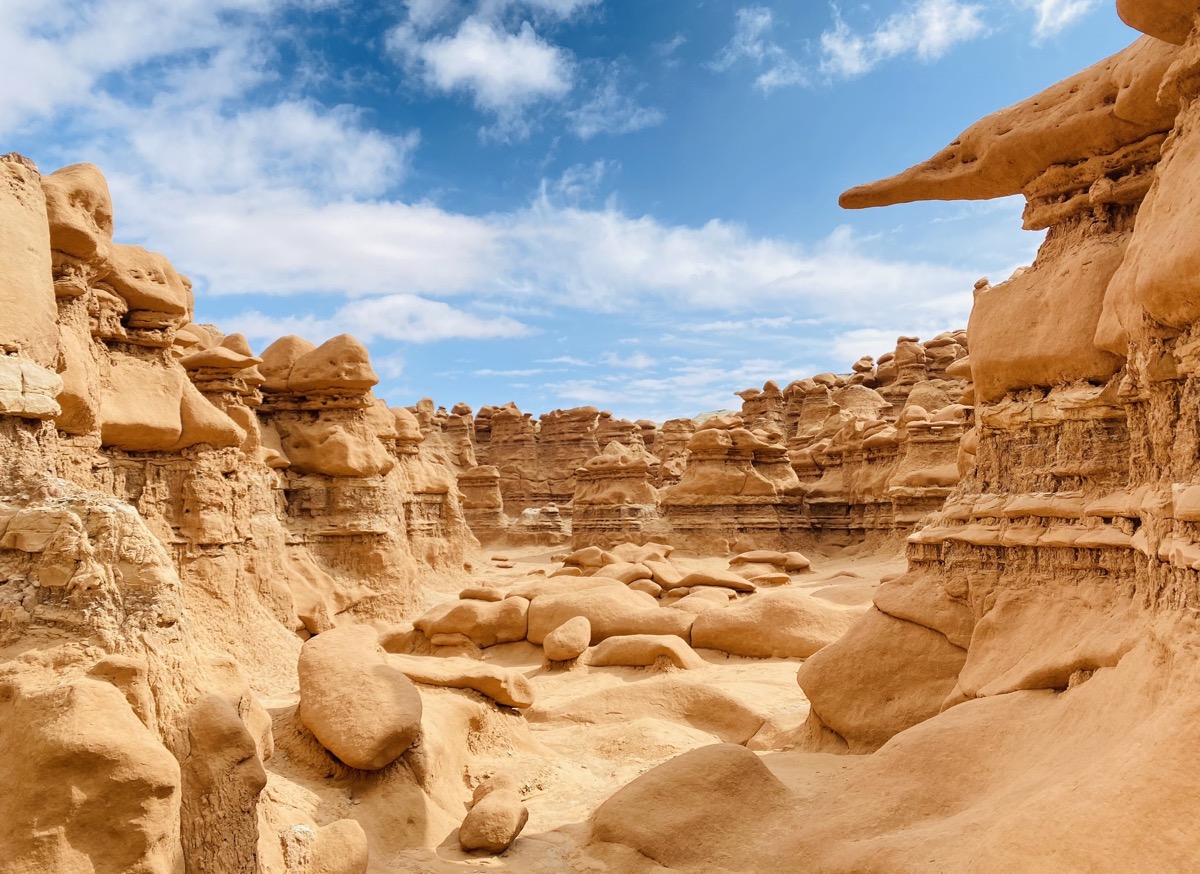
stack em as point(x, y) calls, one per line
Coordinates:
point(609, 611)
point(643, 650)
point(486, 623)
point(361, 708)
point(690, 811)
point(503, 685)
point(339, 848)
point(494, 822)
point(780, 623)
point(883, 676)
point(724, 579)
point(569, 640)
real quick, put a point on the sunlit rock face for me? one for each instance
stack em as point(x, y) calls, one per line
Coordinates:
point(1046, 620)
point(176, 514)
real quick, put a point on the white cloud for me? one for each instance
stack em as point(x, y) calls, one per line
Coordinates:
point(58, 49)
point(606, 260)
point(529, 371)
point(401, 317)
point(668, 49)
point(504, 73)
point(1052, 16)
point(697, 385)
point(926, 28)
point(283, 241)
point(288, 144)
point(751, 43)
point(633, 361)
point(612, 111)
point(557, 8)
point(760, 323)
point(580, 183)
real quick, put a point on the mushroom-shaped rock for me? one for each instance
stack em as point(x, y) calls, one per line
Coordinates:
point(408, 429)
point(339, 364)
point(643, 650)
point(278, 360)
point(218, 358)
point(494, 822)
point(335, 448)
point(361, 708)
point(1168, 20)
point(1093, 113)
point(80, 210)
point(147, 281)
point(569, 640)
point(781, 623)
point(503, 685)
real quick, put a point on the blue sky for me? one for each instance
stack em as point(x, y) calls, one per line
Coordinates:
point(631, 203)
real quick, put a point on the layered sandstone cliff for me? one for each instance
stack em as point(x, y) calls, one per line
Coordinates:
point(829, 458)
point(178, 514)
point(1031, 680)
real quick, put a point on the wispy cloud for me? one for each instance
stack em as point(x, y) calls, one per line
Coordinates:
point(668, 50)
point(612, 109)
point(752, 44)
point(926, 29)
point(402, 317)
point(1054, 16)
point(529, 371)
point(633, 361)
point(700, 385)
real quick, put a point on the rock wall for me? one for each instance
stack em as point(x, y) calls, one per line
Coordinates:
point(1079, 449)
point(831, 457)
point(1031, 680)
point(178, 514)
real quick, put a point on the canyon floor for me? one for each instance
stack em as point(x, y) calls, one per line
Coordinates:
point(592, 729)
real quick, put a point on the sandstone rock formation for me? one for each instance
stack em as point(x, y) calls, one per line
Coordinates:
point(177, 514)
point(1044, 625)
point(246, 626)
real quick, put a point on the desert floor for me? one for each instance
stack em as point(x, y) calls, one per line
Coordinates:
point(591, 731)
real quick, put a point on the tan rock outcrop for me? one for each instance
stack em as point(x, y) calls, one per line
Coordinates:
point(360, 706)
point(1044, 624)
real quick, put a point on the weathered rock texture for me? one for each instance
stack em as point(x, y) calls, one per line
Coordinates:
point(1031, 681)
point(829, 457)
point(176, 515)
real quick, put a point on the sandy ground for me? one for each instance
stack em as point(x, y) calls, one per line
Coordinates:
point(593, 730)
